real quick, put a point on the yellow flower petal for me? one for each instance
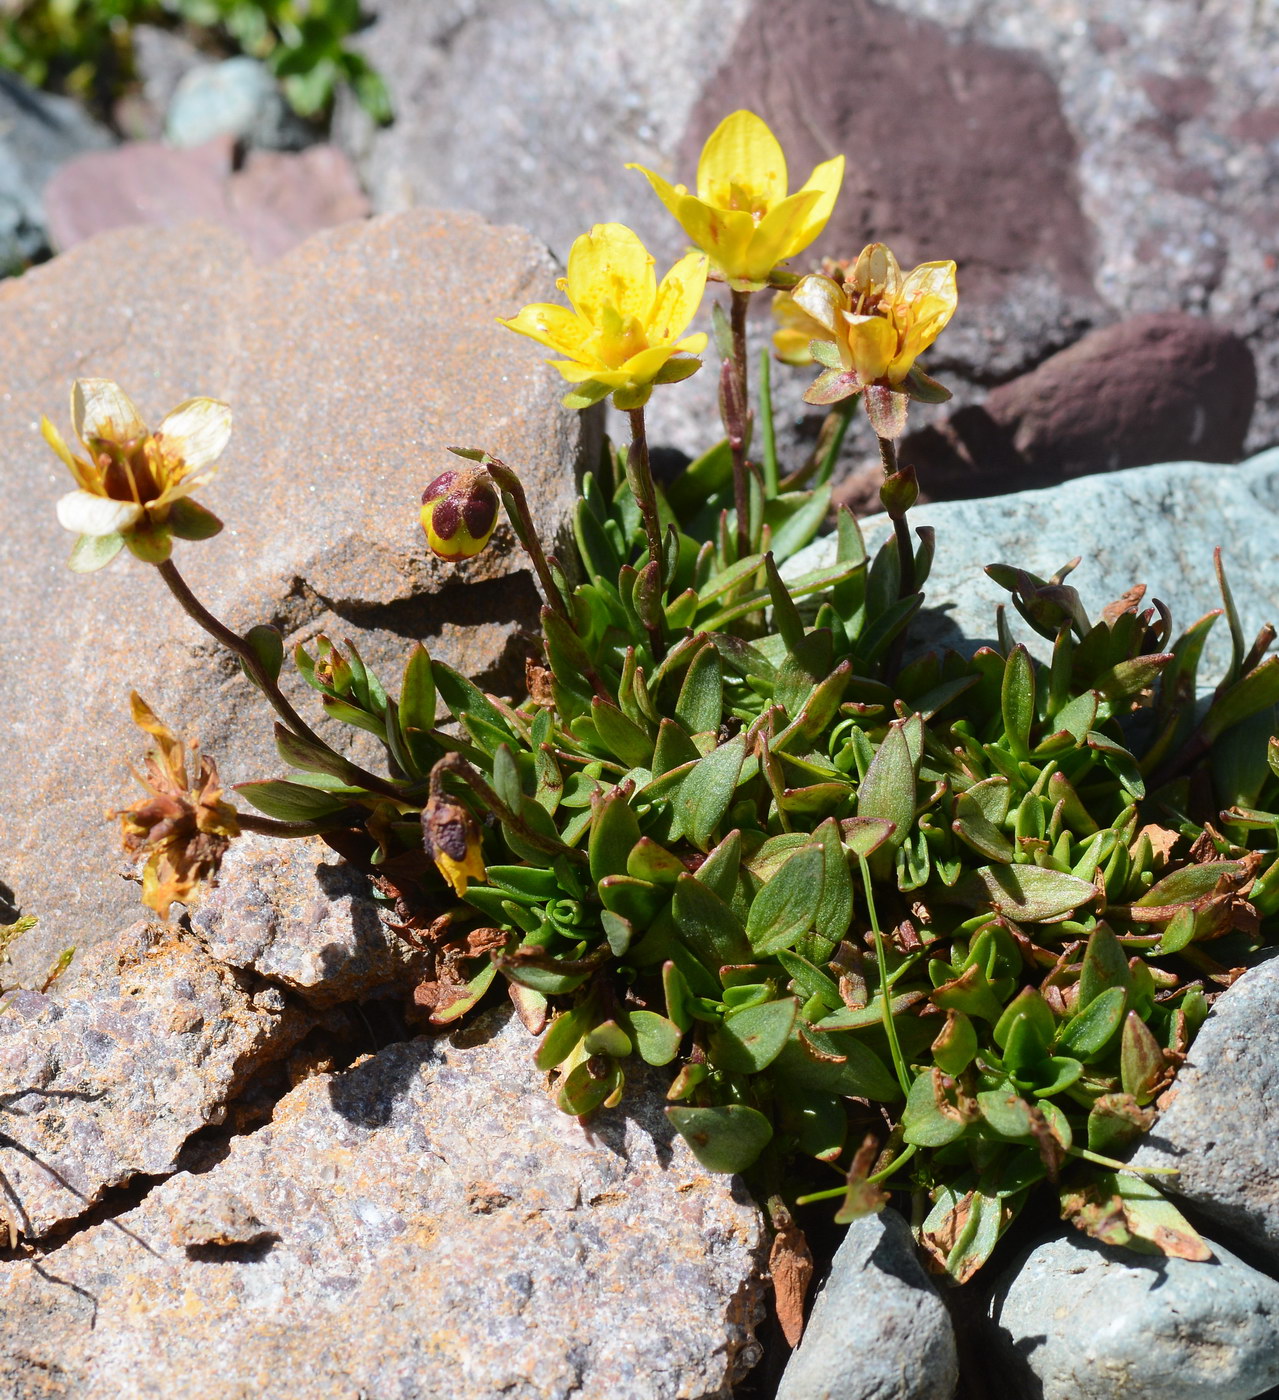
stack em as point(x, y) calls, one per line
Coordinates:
point(876, 273)
point(678, 298)
point(872, 342)
point(556, 327)
point(779, 235)
point(826, 180)
point(83, 473)
point(577, 373)
point(931, 279)
point(725, 236)
point(101, 409)
point(610, 267)
point(85, 514)
point(691, 344)
point(195, 433)
point(669, 194)
point(643, 367)
point(822, 299)
point(742, 151)
point(791, 346)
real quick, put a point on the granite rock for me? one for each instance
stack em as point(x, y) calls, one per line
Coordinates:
point(350, 364)
point(1217, 1123)
point(1084, 162)
point(424, 1224)
point(1155, 525)
point(878, 1327)
point(37, 133)
point(1078, 1320)
point(274, 201)
point(295, 913)
point(78, 1116)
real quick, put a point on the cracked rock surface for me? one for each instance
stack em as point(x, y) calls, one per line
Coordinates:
point(424, 1224)
point(107, 1083)
point(295, 913)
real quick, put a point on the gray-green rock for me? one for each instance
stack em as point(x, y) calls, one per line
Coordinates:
point(878, 1328)
point(1077, 1320)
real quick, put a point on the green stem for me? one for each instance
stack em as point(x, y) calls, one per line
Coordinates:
point(640, 475)
point(516, 503)
point(890, 1026)
point(1116, 1166)
point(741, 417)
point(905, 549)
point(266, 682)
point(767, 432)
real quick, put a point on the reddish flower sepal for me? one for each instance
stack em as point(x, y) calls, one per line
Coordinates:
point(459, 512)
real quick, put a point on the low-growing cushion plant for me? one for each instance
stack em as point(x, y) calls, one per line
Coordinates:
point(943, 924)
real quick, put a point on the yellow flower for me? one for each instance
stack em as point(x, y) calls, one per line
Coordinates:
point(186, 829)
point(624, 333)
point(459, 512)
point(873, 325)
point(133, 485)
point(452, 840)
point(742, 216)
point(795, 327)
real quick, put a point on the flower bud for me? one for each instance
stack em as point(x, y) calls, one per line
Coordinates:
point(452, 840)
point(459, 512)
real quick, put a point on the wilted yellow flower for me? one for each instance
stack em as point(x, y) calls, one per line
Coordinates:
point(741, 215)
point(459, 512)
point(624, 333)
point(873, 325)
point(133, 486)
point(186, 828)
point(452, 840)
point(796, 329)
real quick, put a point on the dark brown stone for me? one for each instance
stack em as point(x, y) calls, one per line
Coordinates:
point(955, 150)
point(1157, 388)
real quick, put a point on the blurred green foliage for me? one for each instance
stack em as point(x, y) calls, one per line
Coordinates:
point(84, 47)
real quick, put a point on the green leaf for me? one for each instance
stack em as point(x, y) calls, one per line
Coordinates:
point(1104, 966)
point(268, 647)
point(750, 1040)
point(312, 756)
point(707, 925)
point(1141, 1060)
point(1032, 893)
point(623, 737)
point(1090, 1030)
point(583, 1091)
point(1028, 1005)
point(93, 552)
point(290, 802)
point(462, 697)
point(835, 905)
point(417, 693)
point(562, 1037)
point(649, 861)
point(785, 907)
point(955, 1045)
point(656, 1038)
point(1189, 883)
point(720, 870)
point(607, 1038)
point(679, 997)
point(189, 520)
point(723, 1139)
point(888, 793)
point(701, 698)
point(924, 1122)
point(614, 831)
point(1017, 701)
point(707, 791)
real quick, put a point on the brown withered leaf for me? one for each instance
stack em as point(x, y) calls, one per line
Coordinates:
point(1162, 841)
point(1127, 603)
point(863, 1196)
point(537, 680)
point(790, 1263)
